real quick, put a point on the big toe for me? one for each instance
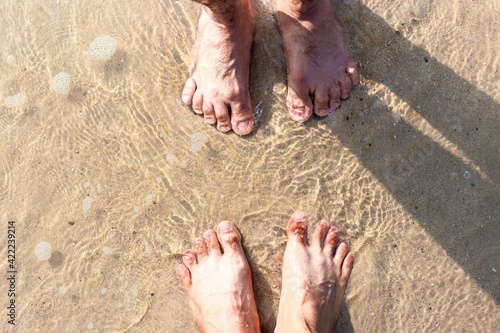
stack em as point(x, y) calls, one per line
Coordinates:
point(242, 118)
point(297, 228)
point(299, 104)
point(229, 238)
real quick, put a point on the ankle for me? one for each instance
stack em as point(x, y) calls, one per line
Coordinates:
point(298, 7)
point(226, 12)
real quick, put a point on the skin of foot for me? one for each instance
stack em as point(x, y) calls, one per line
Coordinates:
point(217, 84)
point(314, 278)
point(320, 68)
point(218, 282)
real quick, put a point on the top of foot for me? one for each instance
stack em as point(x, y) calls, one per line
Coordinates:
point(320, 68)
point(217, 85)
point(314, 278)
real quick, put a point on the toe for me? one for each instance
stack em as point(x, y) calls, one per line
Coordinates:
point(188, 91)
point(321, 102)
point(212, 242)
point(222, 115)
point(200, 247)
point(345, 86)
point(209, 113)
point(242, 118)
point(352, 72)
point(347, 267)
point(184, 275)
point(332, 240)
point(340, 253)
point(189, 259)
point(318, 237)
point(198, 102)
point(229, 237)
point(297, 228)
point(299, 104)
point(334, 95)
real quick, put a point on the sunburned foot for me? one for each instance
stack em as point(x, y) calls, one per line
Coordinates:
point(219, 284)
point(217, 85)
point(317, 56)
point(314, 278)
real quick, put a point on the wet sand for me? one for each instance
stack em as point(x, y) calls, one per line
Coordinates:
point(407, 168)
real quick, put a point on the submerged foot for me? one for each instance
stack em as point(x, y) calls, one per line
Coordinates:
point(314, 278)
point(217, 85)
point(219, 283)
point(320, 68)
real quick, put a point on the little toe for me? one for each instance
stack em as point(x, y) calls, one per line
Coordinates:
point(188, 91)
point(209, 113)
point(332, 240)
point(212, 242)
point(352, 72)
point(321, 102)
point(222, 115)
point(318, 237)
point(197, 104)
point(200, 247)
point(345, 86)
point(189, 259)
point(242, 119)
point(297, 228)
point(347, 266)
point(184, 275)
point(229, 237)
point(299, 105)
point(340, 253)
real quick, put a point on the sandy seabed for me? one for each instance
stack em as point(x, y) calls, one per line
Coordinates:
point(408, 167)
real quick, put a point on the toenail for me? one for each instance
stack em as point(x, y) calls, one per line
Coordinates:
point(335, 230)
point(335, 105)
point(224, 128)
point(324, 223)
point(210, 121)
point(243, 125)
point(198, 111)
point(299, 110)
point(299, 217)
point(226, 227)
point(323, 111)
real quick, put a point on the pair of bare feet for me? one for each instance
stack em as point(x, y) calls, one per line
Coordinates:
point(218, 281)
point(320, 68)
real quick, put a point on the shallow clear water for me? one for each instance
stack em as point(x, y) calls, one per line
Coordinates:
point(408, 167)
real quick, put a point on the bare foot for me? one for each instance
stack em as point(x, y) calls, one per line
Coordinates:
point(317, 56)
point(217, 85)
point(314, 278)
point(219, 285)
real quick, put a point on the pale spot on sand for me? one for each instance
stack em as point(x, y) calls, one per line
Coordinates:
point(158, 179)
point(134, 291)
point(106, 250)
point(61, 83)
point(149, 199)
point(90, 326)
point(98, 188)
point(87, 184)
point(87, 202)
point(197, 141)
point(14, 101)
point(148, 249)
point(63, 290)
point(170, 158)
point(136, 209)
point(10, 59)
point(43, 250)
point(104, 290)
point(183, 164)
point(102, 48)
